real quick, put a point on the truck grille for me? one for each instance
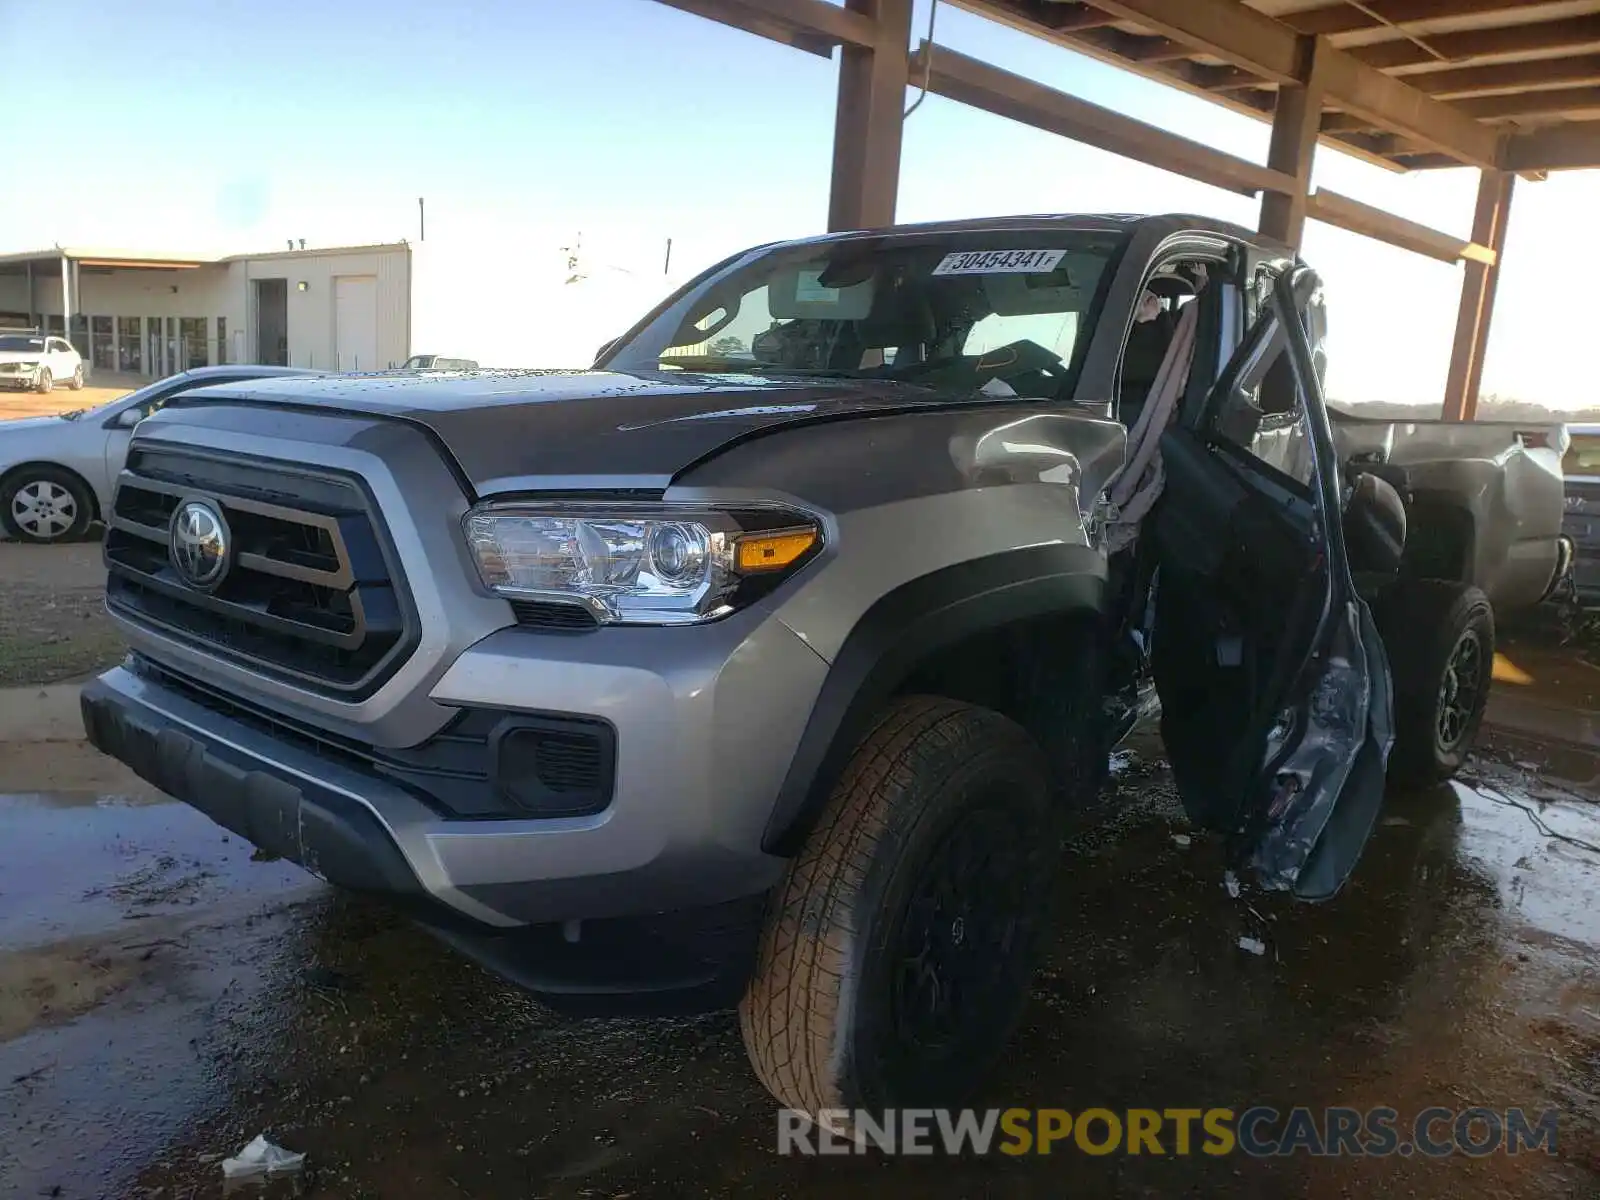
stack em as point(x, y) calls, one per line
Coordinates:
point(309, 592)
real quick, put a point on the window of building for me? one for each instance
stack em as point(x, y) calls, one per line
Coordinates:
point(222, 340)
point(102, 344)
point(130, 346)
point(192, 335)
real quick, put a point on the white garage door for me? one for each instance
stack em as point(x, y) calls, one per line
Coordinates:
point(355, 322)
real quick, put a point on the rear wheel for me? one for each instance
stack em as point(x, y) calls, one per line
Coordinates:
point(1440, 640)
point(897, 952)
point(45, 504)
point(46, 381)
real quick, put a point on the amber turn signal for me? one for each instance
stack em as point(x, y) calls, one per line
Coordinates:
point(773, 551)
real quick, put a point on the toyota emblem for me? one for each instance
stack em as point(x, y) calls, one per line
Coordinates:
point(197, 543)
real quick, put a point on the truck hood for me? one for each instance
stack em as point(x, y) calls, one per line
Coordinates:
point(536, 430)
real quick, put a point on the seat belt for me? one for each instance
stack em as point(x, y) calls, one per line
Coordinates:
point(1138, 485)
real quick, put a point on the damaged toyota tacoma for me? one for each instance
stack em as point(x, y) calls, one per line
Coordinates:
point(760, 664)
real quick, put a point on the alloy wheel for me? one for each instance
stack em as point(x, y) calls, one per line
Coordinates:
point(1459, 690)
point(43, 509)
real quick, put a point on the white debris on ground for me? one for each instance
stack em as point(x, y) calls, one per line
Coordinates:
point(1253, 945)
point(1181, 839)
point(1231, 882)
point(260, 1158)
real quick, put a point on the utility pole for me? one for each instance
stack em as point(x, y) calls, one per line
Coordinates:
point(666, 267)
point(422, 221)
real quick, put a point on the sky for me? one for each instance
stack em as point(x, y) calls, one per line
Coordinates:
point(198, 126)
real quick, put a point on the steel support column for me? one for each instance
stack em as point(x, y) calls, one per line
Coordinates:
point(66, 299)
point(1477, 297)
point(868, 119)
point(1296, 122)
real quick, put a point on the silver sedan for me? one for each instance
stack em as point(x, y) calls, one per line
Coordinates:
point(57, 473)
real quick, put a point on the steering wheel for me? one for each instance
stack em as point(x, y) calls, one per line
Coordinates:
point(1015, 361)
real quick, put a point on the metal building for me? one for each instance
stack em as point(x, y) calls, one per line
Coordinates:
point(345, 308)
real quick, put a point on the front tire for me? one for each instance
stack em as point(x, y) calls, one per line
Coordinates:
point(45, 504)
point(1440, 640)
point(898, 950)
point(76, 382)
point(46, 381)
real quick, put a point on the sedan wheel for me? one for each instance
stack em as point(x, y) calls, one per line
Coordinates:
point(76, 382)
point(46, 380)
point(45, 507)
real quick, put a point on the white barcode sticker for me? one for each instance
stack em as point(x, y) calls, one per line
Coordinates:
point(999, 262)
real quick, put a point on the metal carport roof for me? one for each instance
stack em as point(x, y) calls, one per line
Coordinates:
point(1510, 87)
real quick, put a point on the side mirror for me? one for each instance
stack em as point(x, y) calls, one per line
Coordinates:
point(129, 417)
point(1375, 527)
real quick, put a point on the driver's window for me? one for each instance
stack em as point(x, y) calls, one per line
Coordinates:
point(1261, 410)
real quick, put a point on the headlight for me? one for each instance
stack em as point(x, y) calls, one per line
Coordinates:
point(647, 565)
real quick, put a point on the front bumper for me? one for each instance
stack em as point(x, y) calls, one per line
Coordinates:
point(23, 381)
point(326, 817)
point(651, 905)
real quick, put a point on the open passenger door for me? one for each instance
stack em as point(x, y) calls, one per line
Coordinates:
point(1275, 692)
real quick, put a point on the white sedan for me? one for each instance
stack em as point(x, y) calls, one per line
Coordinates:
point(57, 473)
point(37, 362)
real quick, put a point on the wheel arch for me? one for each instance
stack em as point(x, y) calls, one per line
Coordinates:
point(912, 635)
point(1448, 545)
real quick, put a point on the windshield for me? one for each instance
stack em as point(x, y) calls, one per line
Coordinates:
point(1583, 456)
point(1010, 312)
point(22, 345)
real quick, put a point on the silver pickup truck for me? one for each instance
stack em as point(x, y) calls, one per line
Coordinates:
point(1484, 500)
point(759, 665)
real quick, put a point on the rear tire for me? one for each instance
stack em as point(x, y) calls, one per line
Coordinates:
point(897, 953)
point(1439, 636)
point(46, 381)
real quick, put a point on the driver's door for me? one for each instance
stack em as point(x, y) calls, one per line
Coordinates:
point(1274, 686)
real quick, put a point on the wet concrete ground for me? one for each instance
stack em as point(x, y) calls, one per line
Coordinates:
point(163, 999)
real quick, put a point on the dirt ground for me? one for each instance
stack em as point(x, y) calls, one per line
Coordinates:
point(52, 620)
point(15, 404)
point(53, 624)
point(164, 997)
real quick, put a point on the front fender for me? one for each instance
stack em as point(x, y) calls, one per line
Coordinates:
point(902, 630)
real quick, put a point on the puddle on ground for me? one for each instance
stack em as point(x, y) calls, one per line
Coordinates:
point(71, 866)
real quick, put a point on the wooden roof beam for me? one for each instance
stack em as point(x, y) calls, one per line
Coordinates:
point(1532, 104)
point(1509, 77)
point(957, 77)
point(1256, 43)
point(1331, 208)
point(1071, 18)
point(1535, 38)
point(1345, 18)
point(1574, 146)
point(1260, 50)
point(1343, 122)
point(811, 25)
